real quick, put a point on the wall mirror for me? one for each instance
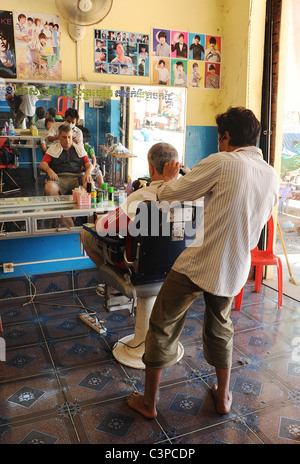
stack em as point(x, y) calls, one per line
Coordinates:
point(123, 120)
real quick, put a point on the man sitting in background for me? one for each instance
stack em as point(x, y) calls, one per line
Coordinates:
point(63, 162)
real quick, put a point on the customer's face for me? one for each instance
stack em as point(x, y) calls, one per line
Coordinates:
point(65, 139)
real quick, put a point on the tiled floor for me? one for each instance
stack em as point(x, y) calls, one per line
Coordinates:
point(60, 383)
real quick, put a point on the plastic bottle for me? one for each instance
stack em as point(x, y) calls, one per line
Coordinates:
point(94, 197)
point(111, 194)
point(11, 127)
point(6, 129)
point(105, 191)
point(99, 196)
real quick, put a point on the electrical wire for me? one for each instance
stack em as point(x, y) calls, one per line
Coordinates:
point(90, 311)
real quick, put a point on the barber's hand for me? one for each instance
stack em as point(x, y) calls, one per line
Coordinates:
point(75, 139)
point(171, 170)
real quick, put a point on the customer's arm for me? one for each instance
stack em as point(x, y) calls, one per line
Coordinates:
point(44, 166)
point(88, 171)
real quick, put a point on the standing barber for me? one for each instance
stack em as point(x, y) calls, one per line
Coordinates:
point(240, 191)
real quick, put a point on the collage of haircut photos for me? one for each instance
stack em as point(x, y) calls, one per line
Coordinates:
point(185, 59)
point(119, 52)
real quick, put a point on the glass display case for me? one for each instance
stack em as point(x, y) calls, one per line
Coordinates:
point(36, 216)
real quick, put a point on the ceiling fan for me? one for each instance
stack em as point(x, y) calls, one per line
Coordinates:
point(82, 13)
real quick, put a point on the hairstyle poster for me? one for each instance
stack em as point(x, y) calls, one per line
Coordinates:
point(183, 58)
point(38, 45)
point(7, 45)
point(119, 52)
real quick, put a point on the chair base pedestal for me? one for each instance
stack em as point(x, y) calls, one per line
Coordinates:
point(130, 349)
point(132, 357)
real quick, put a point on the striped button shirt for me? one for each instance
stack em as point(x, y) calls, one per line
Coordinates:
point(240, 191)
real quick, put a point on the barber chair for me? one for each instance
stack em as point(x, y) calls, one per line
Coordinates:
point(172, 228)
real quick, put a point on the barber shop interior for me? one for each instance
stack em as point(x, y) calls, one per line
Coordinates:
point(150, 224)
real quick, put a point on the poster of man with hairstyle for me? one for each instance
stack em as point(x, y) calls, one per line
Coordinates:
point(7, 45)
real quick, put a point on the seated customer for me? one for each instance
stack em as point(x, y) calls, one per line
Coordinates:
point(72, 117)
point(63, 164)
point(118, 220)
point(49, 120)
point(40, 114)
point(52, 111)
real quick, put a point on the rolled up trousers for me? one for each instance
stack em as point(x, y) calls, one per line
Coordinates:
point(168, 318)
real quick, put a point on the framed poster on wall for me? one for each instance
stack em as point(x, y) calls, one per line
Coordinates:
point(119, 52)
point(7, 45)
point(37, 40)
point(185, 59)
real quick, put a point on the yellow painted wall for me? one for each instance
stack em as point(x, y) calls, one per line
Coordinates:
point(241, 70)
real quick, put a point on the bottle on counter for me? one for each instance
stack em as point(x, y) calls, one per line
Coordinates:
point(6, 128)
point(105, 191)
point(94, 197)
point(111, 194)
point(11, 127)
point(99, 196)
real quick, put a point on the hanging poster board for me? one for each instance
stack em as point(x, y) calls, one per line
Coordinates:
point(185, 59)
point(119, 52)
point(7, 45)
point(38, 45)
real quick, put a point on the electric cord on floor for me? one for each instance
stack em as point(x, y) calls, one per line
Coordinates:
point(33, 300)
point(90, 311)
point(114, 344)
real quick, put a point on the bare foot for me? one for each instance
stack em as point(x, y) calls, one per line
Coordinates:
point(136, 401)
point(223, 405)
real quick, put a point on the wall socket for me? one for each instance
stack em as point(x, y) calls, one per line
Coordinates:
point(8, 267)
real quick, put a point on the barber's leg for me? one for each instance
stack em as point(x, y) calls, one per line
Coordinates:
point(217, 344)
point(146, 404)
point(161, 344)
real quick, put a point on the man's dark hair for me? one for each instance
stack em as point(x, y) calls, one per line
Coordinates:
point(52, 111)
point(242, 126)
point(48, 118)
point(40, 112)
point(73, 113)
